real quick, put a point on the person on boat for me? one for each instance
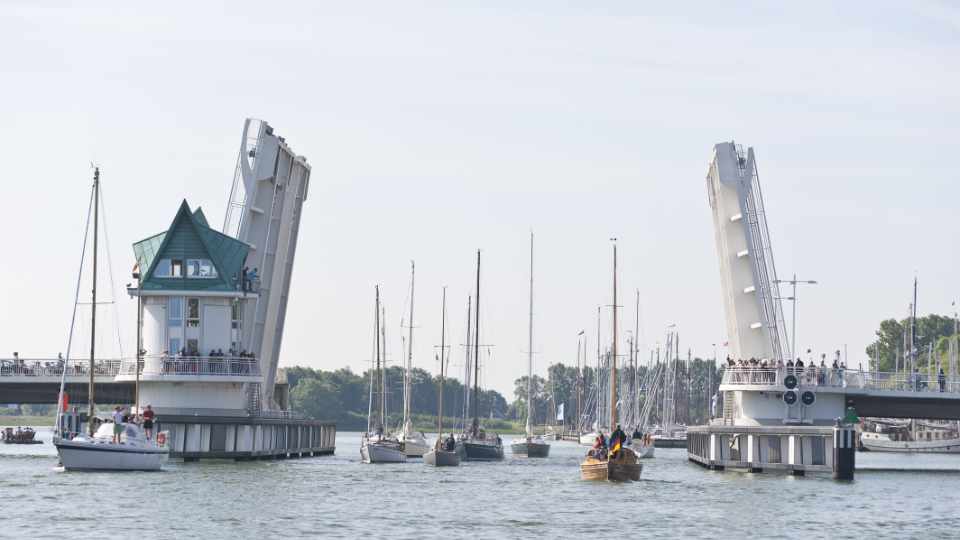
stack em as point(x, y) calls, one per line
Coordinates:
point(451, 443)
point(117, 423)
point(599, 449)
point(617, 439)
point(148, 416)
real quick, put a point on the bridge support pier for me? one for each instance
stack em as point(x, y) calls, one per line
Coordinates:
point(844, 451)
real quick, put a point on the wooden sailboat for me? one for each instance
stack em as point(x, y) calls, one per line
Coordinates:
point(476, 444)
point(444, 451)
point(413, 442)
point(376, 447)
point(531, 445)
point(621, 463)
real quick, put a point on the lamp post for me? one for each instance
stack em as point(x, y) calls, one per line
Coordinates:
point(793, 297)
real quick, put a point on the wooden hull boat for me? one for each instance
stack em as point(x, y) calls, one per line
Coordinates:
point(623, 468)
point(442, 458)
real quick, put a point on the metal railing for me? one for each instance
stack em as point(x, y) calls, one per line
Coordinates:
point(840, 378)
point(46, 367)
point(224, 366)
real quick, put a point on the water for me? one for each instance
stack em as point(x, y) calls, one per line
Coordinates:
point(339, 497)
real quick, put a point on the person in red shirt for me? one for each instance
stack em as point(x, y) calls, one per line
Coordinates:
point(148, 417)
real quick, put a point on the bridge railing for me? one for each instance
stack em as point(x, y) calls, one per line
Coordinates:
point(195, 365)
point(53, 367)
point(840, 378)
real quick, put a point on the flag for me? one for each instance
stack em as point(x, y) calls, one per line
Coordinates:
point(615, 446)
point(560, 412)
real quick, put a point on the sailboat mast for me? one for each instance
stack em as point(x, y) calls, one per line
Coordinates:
point(443, 349)
point(613, 358)
point(376, 335)
point(406, 372)
point(913, 323)
point(530, 348)
point(93, 301)
point(466, 378)
point(596, 377)
point(476, 355)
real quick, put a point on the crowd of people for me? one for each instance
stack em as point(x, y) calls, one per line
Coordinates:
point(763, 371)
point(217, 361)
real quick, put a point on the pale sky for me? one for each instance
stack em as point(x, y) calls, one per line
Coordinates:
point(436, 128)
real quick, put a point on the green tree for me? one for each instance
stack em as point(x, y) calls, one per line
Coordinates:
point(317, 399)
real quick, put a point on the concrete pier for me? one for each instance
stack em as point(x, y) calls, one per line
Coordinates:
point(790, 449)
point(192, 438)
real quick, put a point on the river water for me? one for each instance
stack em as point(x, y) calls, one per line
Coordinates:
point(338, 497)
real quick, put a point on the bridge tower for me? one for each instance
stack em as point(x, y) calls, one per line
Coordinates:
point(270, 185)
point(751, 296)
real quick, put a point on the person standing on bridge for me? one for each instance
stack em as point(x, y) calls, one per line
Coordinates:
point(941, 379)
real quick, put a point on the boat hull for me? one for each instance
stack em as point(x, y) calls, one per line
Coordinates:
point(530, 449)
point(644, 452)
point(86, 456)
point(624, 468)
point(872, 443)
point(441, 458)
point(382, 453)
point(414, 448)
point(479, 451)
point(670, 442)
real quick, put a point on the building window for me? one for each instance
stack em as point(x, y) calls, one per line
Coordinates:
point(193, 312)
point(193, 347)
point(236, 315)
point(175, 312)
point(201, 268)
point(169, 268)
point(174, 346)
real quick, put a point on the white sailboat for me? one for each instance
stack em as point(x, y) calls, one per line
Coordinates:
point(376, 446)
point(413, 442)
point(531, 445)
point(112, 447)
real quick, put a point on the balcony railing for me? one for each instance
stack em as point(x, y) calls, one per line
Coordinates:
point(223, 366)
point(47, 367)
point(840, 378)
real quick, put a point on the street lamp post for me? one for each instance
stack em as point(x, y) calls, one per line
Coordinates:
point(793, 332)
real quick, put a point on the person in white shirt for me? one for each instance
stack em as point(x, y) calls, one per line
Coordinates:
point(117, 423)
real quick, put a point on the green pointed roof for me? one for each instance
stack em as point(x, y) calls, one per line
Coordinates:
point(190, 237)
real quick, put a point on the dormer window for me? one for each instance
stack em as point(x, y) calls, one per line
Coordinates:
point(201, 268)
point(169, 268)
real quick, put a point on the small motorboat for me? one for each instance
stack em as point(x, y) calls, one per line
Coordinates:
point(20, 436)
point(134, 452)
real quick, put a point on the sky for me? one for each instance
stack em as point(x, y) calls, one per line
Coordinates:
point(438, 128)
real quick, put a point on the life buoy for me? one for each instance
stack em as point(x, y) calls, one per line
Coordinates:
point(162, 438)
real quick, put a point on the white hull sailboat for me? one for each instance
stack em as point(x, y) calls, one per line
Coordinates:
point(375, 447)
point(531, 445)
point(381, 451)
point(97, 451)
point(413, 443)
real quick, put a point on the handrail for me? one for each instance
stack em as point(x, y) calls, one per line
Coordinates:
point(839, 378)
point(196, 365)
point(53, 367)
